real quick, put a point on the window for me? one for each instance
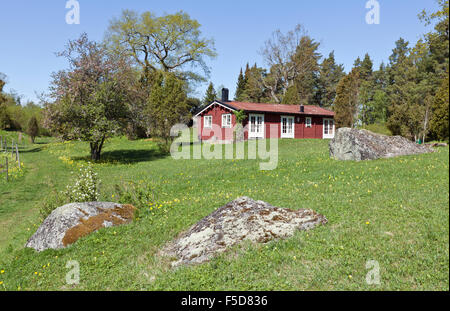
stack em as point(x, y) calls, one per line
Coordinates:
point(226, 120)
point(207, 121)
point(308, 122)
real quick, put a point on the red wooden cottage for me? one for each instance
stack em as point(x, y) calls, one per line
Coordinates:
point(294, 121)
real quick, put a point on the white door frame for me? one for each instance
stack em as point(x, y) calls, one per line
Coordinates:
point(287, 135)
point(256, 133)
point(328, 136)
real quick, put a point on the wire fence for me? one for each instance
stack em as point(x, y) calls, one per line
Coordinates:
point(10, 152)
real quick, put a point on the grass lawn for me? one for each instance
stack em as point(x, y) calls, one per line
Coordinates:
point(394, 211)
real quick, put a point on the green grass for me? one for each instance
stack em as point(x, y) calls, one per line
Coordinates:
point(394, 211)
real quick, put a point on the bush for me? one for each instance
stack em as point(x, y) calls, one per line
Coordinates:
point(85, 189)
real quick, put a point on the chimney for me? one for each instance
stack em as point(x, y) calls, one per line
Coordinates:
point(302, 108)
point(225, 95)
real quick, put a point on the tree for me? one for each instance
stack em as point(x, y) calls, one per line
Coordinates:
point(240, 87)
point(306, 60)
point(89, 100)
point(329, 76)
point(170, 43)
point(440, 122)
point(346, 102)
point(254, 87)
point(33, 128)
point(210, 95)
point(167, 106)
point(5, 119)
point(278, 52)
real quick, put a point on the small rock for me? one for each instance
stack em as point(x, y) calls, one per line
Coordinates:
point(241, 219)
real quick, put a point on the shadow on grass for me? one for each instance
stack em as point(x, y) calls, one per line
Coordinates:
point(38, 149)
point(126, 156)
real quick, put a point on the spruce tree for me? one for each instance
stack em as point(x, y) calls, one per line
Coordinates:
point(240, 88)
point(329, 76)
point(210, 95)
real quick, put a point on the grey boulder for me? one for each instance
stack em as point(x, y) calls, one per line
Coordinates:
point(239, 220)
point(66, 224)
point(357, 145)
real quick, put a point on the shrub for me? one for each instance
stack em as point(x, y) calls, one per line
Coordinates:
point(85, 189)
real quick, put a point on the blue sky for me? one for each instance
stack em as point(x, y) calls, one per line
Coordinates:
point(32, 31)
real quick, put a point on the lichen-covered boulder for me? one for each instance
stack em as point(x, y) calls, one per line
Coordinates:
point(357, 145)
point(66, 224)
point(241, 219)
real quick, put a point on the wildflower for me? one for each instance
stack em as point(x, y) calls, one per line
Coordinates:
point(2, 271)
point(367, 223)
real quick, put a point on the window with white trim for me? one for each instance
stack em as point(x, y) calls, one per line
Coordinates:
point(308, 122)
point(226, 120)
point(207, 121)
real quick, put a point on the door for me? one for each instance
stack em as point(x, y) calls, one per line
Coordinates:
point(287, 127)
point(328, 128)
point(256, 123)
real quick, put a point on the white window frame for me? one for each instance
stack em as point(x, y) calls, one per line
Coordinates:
point(287, 135)
point(259, 134)
point(205, 125)
point(308, 122)
point(333, 128)
point(225, 117)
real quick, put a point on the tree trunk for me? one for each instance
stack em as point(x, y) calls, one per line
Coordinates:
point(96, 149)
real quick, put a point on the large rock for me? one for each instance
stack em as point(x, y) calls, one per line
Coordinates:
point(241, 219)
point(66, 224)
point(353, 144)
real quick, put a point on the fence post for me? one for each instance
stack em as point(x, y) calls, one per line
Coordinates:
point(18, 155)
point(6, 168)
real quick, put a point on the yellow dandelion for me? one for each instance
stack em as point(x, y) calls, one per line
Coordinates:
point(2, 271)
point(367, 223)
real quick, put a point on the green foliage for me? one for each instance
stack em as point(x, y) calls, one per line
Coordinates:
point(210, 95)
point(329, 76)
point(169, 43)
point(33, 128)
point(54, 200)
point(346, 102)
point(84, 188)
point(440, 122)
point(167, 106)
point(240, 87)
point(90, 98)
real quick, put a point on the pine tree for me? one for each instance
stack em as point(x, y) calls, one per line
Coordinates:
point(240, 88)
point(210, 95)
point(329, 77)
